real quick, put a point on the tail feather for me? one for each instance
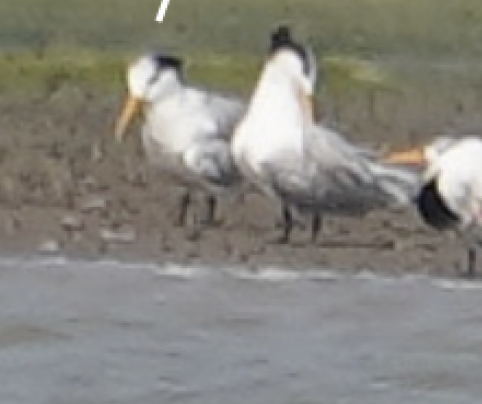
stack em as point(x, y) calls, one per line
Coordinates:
point(401, 184)
point(355, 173)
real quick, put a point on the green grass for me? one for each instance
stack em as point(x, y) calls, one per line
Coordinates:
point(424, 28)
point(48, 71)
point(361, 44)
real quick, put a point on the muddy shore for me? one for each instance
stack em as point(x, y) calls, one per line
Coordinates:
point(66, 187)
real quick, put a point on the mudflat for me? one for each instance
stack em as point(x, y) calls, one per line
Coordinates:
point(67, 187)
point(390, 78)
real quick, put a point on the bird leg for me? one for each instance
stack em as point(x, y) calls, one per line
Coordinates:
point(210, 217)
point(287, 226)
point(184, 202)
point(471, 246)
point(471, 261)
point(315, 227)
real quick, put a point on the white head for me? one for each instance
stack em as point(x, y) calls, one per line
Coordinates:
point(437, 148)
point(295, 60)
point(287, 82)
point(432, 154)
point(149, 79)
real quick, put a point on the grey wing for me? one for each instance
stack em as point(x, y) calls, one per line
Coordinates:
point(400, 184)
point(288, 180)
point(211, 158)
point(326, 144)
point(226, 111)
point(213, 162)
point(333, 158)
point(349, 177)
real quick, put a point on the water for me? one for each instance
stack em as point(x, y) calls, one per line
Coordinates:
point(105, 332)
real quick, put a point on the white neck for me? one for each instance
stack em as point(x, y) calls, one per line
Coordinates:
point(275, 97)
point(167, 85)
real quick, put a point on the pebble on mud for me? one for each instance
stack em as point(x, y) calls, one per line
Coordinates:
point(49, 246)
point(72, 223)
point(93, 203)
point(122, 235)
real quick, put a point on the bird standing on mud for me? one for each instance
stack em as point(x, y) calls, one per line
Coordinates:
point(304, 166)
point(186, 131)
point(450, 197)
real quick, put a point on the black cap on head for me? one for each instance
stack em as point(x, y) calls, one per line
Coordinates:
point(281, 37)
point(167, 61)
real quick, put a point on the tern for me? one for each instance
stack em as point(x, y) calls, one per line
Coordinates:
point(450, 197)
point(303, 165)
point(186, 131)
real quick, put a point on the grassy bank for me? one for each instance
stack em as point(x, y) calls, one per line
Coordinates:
point(366, 28)
point(89, 40)
point(46, 71)
point(393, 57)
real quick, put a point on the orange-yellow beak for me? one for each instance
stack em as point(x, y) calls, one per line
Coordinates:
point(317, 112)
point(413, 156)
point(309, 107)
point(307, 103)
point(132, 107)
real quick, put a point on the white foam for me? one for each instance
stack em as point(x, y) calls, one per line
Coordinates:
point(179, 271)
point(458, 284)
point(259, 274)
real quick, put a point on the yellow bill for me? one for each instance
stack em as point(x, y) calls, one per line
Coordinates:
point(132, 107)
point(307, 103)
point(413, 156)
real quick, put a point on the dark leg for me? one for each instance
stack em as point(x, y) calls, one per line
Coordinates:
point(315, 227)
point(471, 262)
point(287, 226)
point(184, 202)
point(211, 204)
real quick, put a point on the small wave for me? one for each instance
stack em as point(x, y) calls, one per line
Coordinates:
point(66, 263)
point(458, 284)
point(261, 274)
point(280, 274)
point(179, 271)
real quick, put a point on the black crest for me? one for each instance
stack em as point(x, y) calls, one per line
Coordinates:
point(167, 61)
point(433, 209)
point(281, 38)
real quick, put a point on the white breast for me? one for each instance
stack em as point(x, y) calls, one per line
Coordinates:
point(273, 124)
point(176, 123)
point(460, 176)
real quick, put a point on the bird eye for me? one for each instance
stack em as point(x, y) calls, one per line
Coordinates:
point(154, 77)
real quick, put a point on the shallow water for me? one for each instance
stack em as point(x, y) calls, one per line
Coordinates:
point(105, 332)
